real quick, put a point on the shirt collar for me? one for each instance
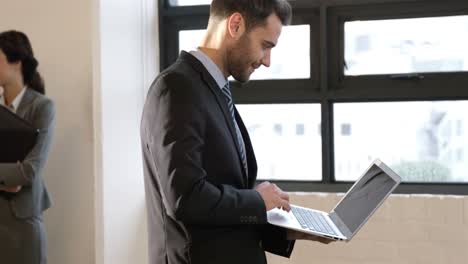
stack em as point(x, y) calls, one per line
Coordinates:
point(16, 102)
point(211, 67)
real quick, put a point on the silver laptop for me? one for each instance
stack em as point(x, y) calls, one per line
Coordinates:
point(350, 214)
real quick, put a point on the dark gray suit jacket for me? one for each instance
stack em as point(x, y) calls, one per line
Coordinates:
point(201, 205)
point(33, 198)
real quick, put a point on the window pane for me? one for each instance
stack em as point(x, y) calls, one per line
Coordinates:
point(436, 44)
point(190, 39)
point(286, 142)
point(290, 59)
point(189, 2)
point(419, 140)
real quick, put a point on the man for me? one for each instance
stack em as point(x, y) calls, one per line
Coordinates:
point(199, 163)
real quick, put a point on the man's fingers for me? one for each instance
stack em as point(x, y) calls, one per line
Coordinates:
point(264, 183)
point(326, 241)
point(277, 189)
point(323, 240)
point(285, 205)
point(284, 196)
point(273, 196)
point(280, 192)
point(261, 185)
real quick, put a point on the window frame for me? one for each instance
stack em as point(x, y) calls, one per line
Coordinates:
point(391, 87)
point(328, 84)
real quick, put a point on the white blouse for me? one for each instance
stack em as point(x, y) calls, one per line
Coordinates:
point(16, 102)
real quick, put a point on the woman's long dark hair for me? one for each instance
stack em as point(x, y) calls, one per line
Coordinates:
point(17, 48)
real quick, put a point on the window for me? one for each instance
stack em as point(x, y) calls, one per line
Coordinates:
point(278, 129)
point(353, 81)
point(460, 127)
point(189, 2)
point(408, 136)
point(299, 129)
point(290, 59)
point(414, 45)
point(189, 39)
point(460, 157)
point(282, 153)
point(346, 129)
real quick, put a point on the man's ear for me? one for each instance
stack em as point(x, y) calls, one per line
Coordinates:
point(236, 25)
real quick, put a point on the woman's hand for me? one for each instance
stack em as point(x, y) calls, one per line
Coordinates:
point(11, 189)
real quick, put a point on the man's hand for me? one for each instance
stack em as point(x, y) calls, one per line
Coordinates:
point(12, 189)
point(273, 196)
point(296, 235)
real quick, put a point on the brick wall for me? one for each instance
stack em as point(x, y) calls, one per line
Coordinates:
point(407, 229)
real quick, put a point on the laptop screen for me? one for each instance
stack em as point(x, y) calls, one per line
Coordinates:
point(364, 197)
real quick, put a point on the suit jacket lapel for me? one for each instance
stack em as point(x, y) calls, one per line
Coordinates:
point(213, 86)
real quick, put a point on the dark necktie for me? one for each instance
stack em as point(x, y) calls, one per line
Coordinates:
point(228, 96)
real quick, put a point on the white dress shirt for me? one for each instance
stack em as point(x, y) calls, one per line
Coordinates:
point(16, 102)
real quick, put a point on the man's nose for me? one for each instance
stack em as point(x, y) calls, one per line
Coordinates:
point(267, 59)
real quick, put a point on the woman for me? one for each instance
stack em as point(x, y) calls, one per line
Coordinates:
point(23, 195)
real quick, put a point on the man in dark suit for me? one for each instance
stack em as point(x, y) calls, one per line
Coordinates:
point(199, 164)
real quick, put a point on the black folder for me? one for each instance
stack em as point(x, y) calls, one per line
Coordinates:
point(17, 136)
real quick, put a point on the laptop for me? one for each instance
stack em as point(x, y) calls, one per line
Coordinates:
point(350, 214)
point(17, 136)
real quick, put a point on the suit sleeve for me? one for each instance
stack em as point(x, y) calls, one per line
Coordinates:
point(274, 240)
point(23, 173)
point(174, 125)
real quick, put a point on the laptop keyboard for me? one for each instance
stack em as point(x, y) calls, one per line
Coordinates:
point(312, 220)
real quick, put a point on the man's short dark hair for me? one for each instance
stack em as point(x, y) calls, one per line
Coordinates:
point(255, 12)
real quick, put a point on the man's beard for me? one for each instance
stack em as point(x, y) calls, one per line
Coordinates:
point(239, 62)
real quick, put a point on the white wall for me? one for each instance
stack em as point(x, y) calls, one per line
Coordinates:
point(60, 34)
point(126, 50)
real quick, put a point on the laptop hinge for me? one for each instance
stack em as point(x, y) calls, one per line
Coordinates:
point(339, 223)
